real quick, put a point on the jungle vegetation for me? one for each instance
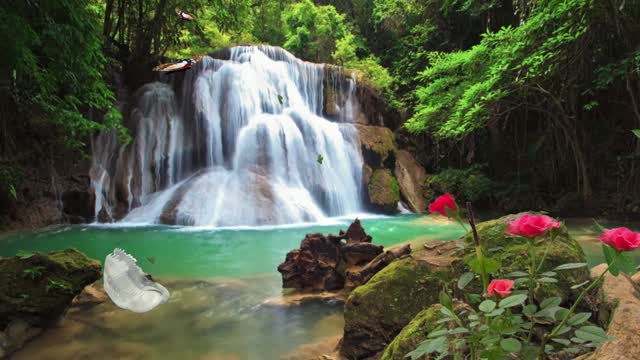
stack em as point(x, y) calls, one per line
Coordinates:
point(537, 99)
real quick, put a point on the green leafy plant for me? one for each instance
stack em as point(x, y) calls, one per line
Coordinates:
point(34, 272)
point(502, 326)
point(24, 254)
point(58, 285)
point(470, 183)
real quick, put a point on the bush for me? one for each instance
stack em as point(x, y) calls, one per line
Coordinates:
point(468, 184)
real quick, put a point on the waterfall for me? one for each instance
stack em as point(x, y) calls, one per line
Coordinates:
point(241, 140)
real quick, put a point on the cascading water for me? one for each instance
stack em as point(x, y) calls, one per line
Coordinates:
point(234, 142)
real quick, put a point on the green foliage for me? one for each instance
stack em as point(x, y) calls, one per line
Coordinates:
point(217, 26)
point(34, 272)
point(24, 254)
point(52, 49)
point(58, 285)
point(469, 184)
point(311, 31)
point(464, 90)
point(503, 328)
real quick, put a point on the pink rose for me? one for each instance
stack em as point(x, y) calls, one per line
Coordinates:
point(621, 239)
point(500, 288)
point(532, 225)
point(442, 203)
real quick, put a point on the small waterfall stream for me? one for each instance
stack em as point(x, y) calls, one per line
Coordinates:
point(234, 141)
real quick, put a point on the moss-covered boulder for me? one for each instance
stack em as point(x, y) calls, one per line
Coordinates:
point(377, 311)
point(35, 289)
point(384, 191)
point(378, 146)
point(413, 334)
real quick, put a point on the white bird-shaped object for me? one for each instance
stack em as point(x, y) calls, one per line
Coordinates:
point(128, 286)
point(184, 16)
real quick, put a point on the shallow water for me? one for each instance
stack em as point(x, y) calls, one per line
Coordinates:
point(219, 282)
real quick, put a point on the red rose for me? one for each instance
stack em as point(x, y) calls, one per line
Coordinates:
point(531, 225)
point(621, 239)
point(500, 288)
point(442, 203)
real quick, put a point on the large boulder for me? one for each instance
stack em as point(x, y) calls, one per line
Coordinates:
point(35, 289)
point(314, 266)
point(335, 262)
point(377, 145)
point(620, 310)
point(377, 311)
point(411, 178)
point(384, 191)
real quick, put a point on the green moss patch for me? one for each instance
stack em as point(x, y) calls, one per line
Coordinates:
point(413, 334)
point(40, 287)
point(384, 191)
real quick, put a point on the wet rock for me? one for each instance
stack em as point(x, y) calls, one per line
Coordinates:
point(384, 191)
point(78, 204)
point(314, 266)
point(355, 233)
point(377, 145)
point(411, 179)
point(37, 288)
point(621, 305)
point(17, 333)
point(359, 254)
point(323, 263)
point(93, 294)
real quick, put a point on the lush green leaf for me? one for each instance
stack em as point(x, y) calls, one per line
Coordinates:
point(610, 254)
point(570, 266)
point(512, 301)
point(517, 274)
point(510, 345)
point(578, 318)
point(592, 333)
point(550, 302)
point(465, 279)
point(487, 306)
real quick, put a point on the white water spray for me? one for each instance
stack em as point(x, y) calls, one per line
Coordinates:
point(238, 146)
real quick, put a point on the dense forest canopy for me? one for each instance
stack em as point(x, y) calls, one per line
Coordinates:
point(515, 103)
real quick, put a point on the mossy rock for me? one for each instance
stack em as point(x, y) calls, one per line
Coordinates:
point(384, 191)
point(39, 287)
point(378, 146)
point(413, 334)
point(377, 311)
